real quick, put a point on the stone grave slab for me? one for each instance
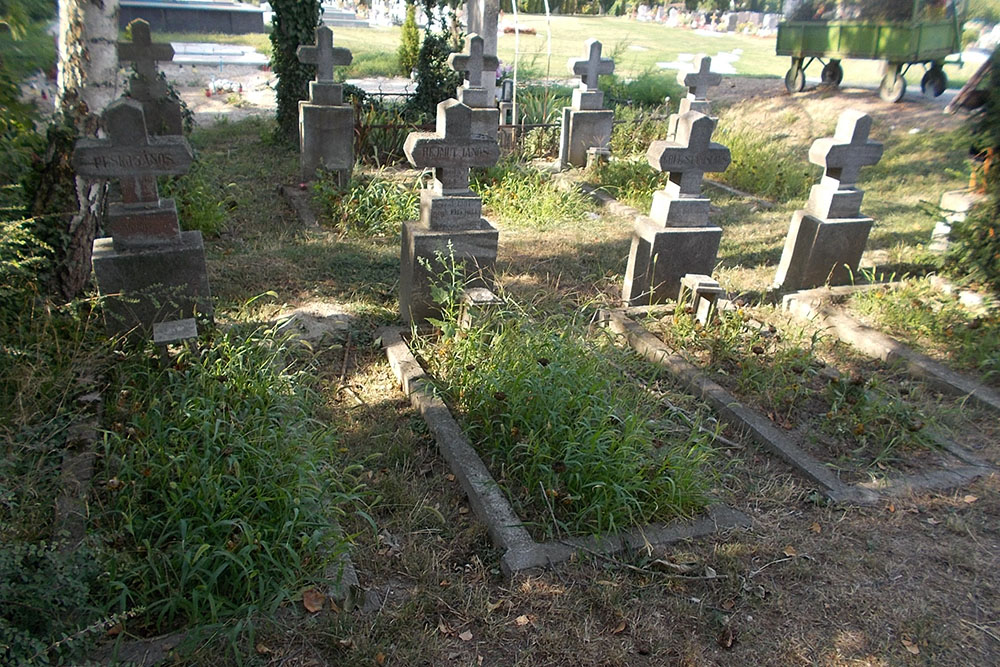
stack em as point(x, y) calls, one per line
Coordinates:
point(826, 239)
point(326, 124)
point(585, 123)
point(148, 270)
point(146, 86)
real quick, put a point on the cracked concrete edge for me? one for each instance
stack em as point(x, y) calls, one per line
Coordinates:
point(931, 480)
point(506, 530)
point(813, 305)
point(301, 202)
point(729, 408)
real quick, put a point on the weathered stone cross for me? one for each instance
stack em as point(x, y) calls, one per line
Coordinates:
point(452, 149)
point(591, 67)
point(474, 63)
point(142, 51)
point(323, 55)
point(690, 154)
point(700, 81)
point(849, 149)
point(131, 155)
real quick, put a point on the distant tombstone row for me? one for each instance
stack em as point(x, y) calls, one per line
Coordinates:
point(326, 124)
point(586, 125)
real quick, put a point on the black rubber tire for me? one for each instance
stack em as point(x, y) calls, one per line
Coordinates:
point(795, 77)
point(934, 82)
point(832, 73)
point(893, 85)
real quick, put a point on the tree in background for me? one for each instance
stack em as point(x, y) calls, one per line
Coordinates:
point(295, 23)
point(436, 81)
point(409, 41)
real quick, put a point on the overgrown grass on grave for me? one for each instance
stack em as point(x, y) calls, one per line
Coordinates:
point(579, 447)
point(936, 323)
point(520, 195)
point(859, 415)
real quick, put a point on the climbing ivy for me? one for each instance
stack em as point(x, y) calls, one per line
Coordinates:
point(295, 23)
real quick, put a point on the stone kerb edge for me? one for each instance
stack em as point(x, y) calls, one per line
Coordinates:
point(730, 409)
point(506, 530)
point(814, 305)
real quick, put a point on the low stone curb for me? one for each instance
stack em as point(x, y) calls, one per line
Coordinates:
point(815, 305)
point(301, 202)
point(763, 432)
point(506, 529)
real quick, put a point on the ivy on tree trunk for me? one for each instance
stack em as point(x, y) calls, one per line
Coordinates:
point(295, 23)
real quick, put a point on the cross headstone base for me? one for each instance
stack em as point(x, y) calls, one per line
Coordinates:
point(475, 251)
point(326, 140)
point(136, 227)
point(702, 292)
point(580, 131)
point(687, 104)
point(954, 206)
point(819, 252)
point(660, 257)
point(449, 212)
point(143, 287)
point(671, 211)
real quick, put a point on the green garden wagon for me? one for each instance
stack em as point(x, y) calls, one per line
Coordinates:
point(901, 44)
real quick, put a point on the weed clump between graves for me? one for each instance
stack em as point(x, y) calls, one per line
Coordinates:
point(523, 196)
point(369, 206)
point(578, 448)
point(763, 165)
point(214, 489)
point(632, 182)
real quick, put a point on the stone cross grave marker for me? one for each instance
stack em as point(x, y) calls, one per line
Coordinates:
point(592, 66)
point(452, 149)
point(142, 52)
point(324, 55)
point(827, 238)
point(698, 82)
point(849, 149)
point(476, 65)
point(149, 270)
point(131, 155)
point(687, 157)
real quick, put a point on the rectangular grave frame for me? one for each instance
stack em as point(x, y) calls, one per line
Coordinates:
point(815, 305)
point(748, 420)
point(520, 552)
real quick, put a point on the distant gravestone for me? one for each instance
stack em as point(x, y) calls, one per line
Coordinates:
point(826, 240)
point(326, 124)
point(450, 213)
point(586, 124)
point(482, 16)
point(698, 83)
point(676, 238)
point(146, 86)
point(149, 270)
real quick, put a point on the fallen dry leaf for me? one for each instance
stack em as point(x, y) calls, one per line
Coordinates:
point(115, 630)
point(262, 649)
point(443, 628)
point(380, 658)
point(727, 604)
point(970, 499)
point(726, 638)
point(522, 620)
point(450, 477)
point(313, 600)
point(493, 606)
point(670, 566)
point(466, 636)
point(891, 508)
point(816, 528)
point(790, 552)
point(911, 647)
point(620, 628)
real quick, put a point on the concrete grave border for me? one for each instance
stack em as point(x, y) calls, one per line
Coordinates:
point(506, 529)
point(730, 409)
point(814, 305)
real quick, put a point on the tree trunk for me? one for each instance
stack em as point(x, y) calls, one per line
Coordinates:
point(88, 82)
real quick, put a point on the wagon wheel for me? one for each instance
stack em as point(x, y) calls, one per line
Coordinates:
point(795, 77)
point(832, 73)
point(893, 84)
point(934, 82)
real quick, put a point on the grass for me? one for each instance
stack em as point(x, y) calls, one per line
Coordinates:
point(371, 204)
point(522, 196)
point(631, 181)
point(578, 449)
point(936, 323)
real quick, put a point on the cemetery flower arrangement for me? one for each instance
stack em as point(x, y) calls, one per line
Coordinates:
point(578, 449)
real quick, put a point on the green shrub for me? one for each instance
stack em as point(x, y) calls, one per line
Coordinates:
point(436, 81)
point(200, 199)
point(380, 131)
point(540, 142)
point(409, 41)
point(630, 181)
point(295, 23)
point(369, 206)
point(218, 485)
point(648, 90)
point(635, 129)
